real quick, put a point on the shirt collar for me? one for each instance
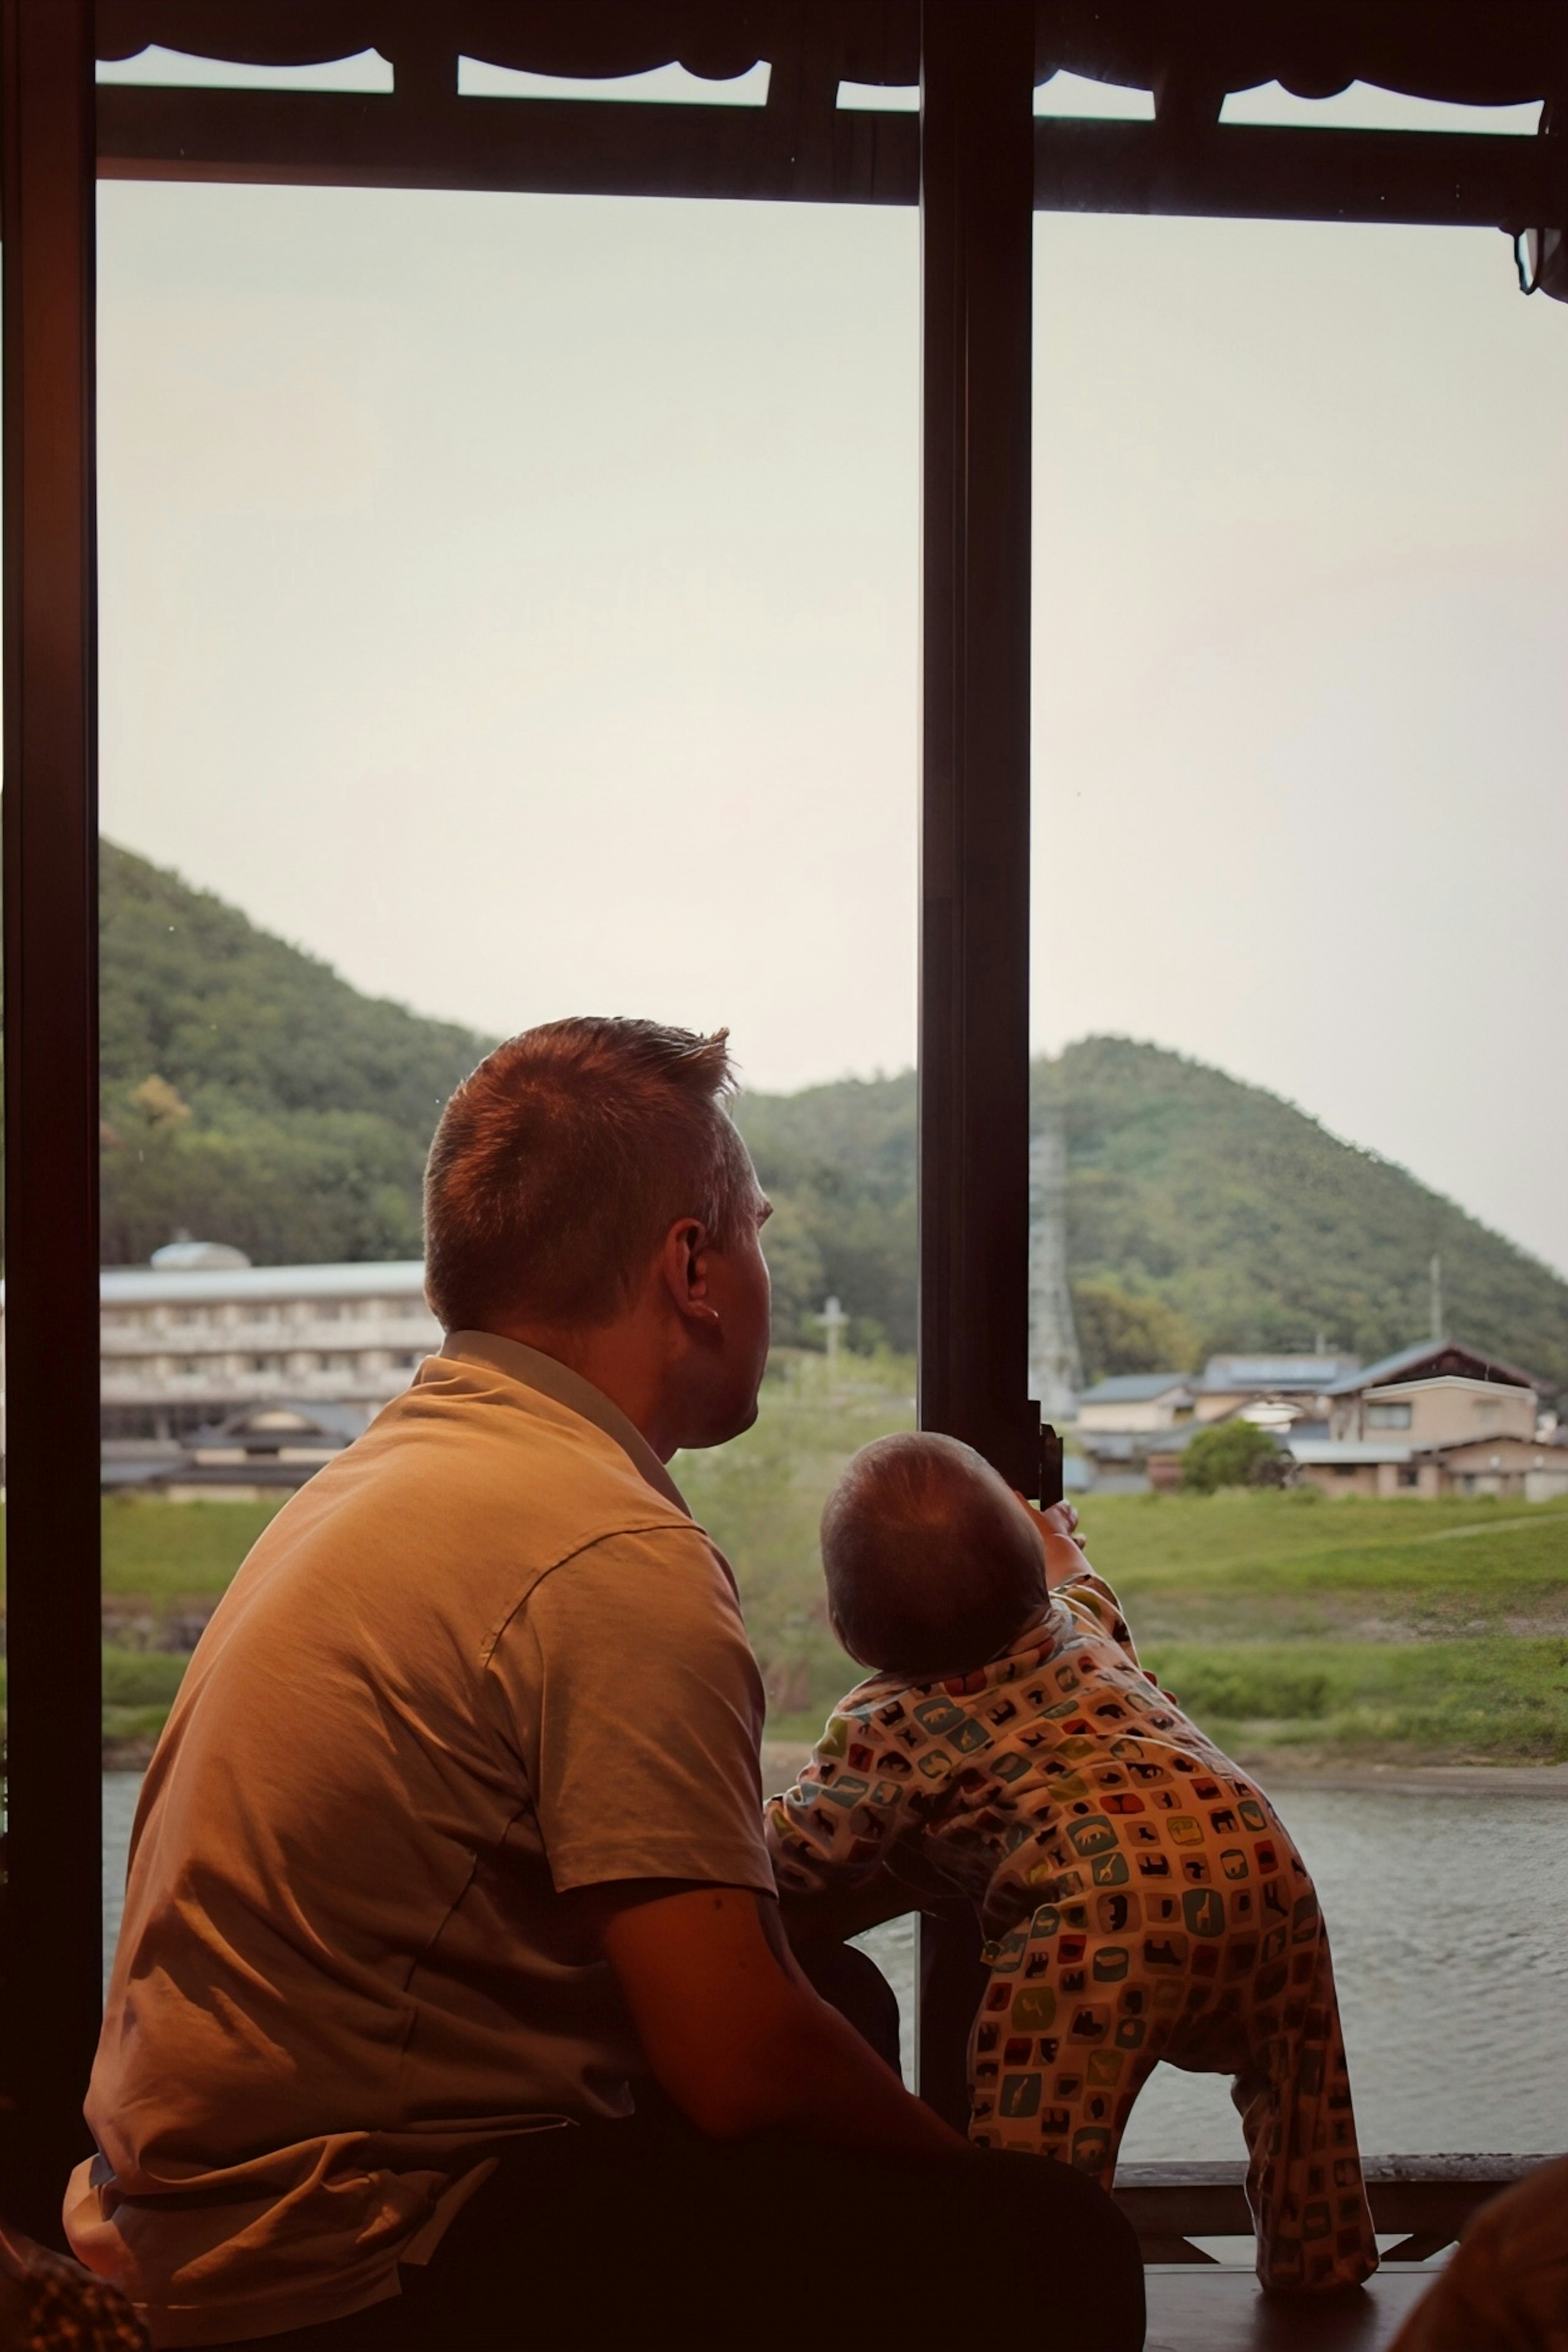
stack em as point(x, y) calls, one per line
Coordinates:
point(554, 1379)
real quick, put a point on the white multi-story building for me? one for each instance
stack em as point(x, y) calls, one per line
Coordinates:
point(199, 1335)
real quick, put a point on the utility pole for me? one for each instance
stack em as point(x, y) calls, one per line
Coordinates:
point(1437, 1297)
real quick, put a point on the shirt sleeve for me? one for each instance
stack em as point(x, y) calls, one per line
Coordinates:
point(1092, 1602)
point(835, 1826)
point(637, 1706)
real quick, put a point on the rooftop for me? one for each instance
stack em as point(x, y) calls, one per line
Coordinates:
point(1134, 1388)
point(1314, 1372)
point(1430, 1358)
point(148, 1286)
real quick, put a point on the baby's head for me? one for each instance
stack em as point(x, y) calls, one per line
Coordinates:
point(932, 1563)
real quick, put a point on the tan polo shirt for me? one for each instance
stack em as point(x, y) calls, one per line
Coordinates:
point(482, 1658)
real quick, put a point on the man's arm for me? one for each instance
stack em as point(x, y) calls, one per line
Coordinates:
point(734, 2033)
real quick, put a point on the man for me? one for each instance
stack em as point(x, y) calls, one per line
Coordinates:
point(450, 1970)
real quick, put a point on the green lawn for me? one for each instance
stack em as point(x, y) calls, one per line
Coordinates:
point(161, 1556)
point(1357, 1629)
point(1298, 1563)
point(1283, 1620)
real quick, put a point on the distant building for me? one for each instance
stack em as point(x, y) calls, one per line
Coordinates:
point(1437, 1392)
point(200, 1335)
point(1122, 1420)
point(266, 1451)
point(1133, 1402)
point(187, 1345)
point(1276, 1391)
point(1435, 1419)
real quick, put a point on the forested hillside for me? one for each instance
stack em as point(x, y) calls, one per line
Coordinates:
point(1202, 1215)
point(248, 1094)
point(252, 1096)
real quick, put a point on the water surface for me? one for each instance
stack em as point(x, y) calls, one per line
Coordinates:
point(1448, 1915)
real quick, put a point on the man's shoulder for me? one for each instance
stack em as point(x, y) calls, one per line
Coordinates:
point(461, 1488)
point(487, 1442)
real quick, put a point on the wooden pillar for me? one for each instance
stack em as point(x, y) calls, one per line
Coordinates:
point(976, 247)
point(50, 1999)
point(976, 273)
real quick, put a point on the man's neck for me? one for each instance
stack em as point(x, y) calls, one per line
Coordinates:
point(621, 1363)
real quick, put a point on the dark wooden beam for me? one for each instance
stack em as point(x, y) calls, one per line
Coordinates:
point(539, 146)
point(800, 148)
point(1241, 171)
point(977, 267)
point(53, 1906)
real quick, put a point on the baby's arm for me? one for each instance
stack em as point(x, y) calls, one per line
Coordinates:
point(1091, 1600)
point(832, 1828)
point(1069, 1574)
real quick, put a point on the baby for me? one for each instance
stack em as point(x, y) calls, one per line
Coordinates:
point(1140, 1897)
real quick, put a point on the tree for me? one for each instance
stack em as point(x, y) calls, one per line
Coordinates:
point(1231, 1453)
point(1121, 1331)
point(795, 1266)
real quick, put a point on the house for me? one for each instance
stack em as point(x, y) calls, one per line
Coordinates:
point(1526, 1470)
point(1365, 1466)
point(1437, 1392)
point(1277, 1391)
point(1435, 1418)
point(1137, 1402)
point(1121, 1421)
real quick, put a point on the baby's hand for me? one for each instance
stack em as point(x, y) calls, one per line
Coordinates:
point(1064, 1547)
point(1061, 1519)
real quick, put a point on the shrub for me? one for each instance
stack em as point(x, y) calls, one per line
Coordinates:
point(1241, 1690)
point(1231, 1453)
point(141, 1677)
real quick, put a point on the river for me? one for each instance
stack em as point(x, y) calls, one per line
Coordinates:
point(1449, 1919)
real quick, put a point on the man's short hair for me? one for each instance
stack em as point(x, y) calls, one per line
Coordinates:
point(560, 1163)
point(932, 1563)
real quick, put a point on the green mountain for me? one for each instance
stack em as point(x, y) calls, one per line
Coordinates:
point(248, 1094)
point(1202, 1215)
point(252, 1096)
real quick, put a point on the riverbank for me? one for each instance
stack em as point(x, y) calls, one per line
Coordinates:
point(783, 1758)
point(1346, 1644)
point(1413, 1780)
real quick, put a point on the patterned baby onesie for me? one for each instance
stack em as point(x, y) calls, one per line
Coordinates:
point(1141, 1898)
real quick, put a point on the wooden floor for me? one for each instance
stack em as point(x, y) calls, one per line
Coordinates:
point(1202, 2307)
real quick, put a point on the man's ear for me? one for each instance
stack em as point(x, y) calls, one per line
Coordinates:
point(684, 1265)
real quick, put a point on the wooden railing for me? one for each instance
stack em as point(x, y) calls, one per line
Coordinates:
point(1426, 2199)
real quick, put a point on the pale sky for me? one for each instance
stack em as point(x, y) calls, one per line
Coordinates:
point(515, 601)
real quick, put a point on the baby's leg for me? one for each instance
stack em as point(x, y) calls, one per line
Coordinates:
point(1067, 2034)
point(1304, 2178)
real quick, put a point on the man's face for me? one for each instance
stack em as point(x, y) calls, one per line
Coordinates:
point(738, 1287)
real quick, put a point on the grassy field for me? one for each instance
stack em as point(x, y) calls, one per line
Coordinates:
point(1336, 1632)
point(1342, 1632)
